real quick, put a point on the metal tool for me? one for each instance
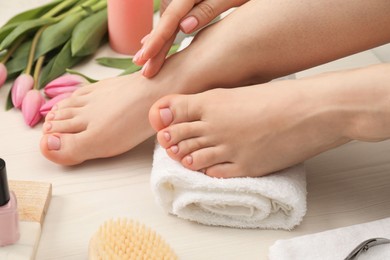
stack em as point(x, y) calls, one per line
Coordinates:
point(365, 245)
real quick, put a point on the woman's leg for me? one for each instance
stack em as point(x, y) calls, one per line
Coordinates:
point(259, 41)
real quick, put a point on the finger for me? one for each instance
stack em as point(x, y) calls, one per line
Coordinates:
point(204, 12)
point(154, 64)
point(169, 22)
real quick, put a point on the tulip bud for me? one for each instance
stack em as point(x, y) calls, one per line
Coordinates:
point(3, 74)
point(45, 108)
point(64, 84)
point(23, 84)
point(31, 105)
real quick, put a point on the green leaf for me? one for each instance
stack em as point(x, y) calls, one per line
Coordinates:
point(58, 65)
point(23, 28)
point(117, 63)
point(90, 80)
point(88, 34)
point(19, 59)
point(8, 103)
point(133, 68)
point(32, 13)
point(173, 49)
point(156, 5)
point(57, 34)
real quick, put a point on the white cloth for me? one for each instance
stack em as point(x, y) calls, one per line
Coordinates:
point(276, 201)
point(334, 244)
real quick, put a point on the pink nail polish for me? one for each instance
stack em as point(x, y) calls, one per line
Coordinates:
point(167, 136)
point(174, 149)
point(166, 116)
point(189, 159)
point(138, 55)
point(9, 217)
point(53, 143)
point(128, 22)
point(144, 68)
point(189, 24)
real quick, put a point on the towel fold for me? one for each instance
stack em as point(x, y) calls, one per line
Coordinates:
point(335, 243)
point(276, 201)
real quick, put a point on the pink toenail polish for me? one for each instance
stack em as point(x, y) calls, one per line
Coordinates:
point(189, 159)
point(53, 142)
point(174, 149)
point(166, 116)
point(167, 136)
point(47, 126)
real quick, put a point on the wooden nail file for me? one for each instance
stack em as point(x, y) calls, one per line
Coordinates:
point(33, 201)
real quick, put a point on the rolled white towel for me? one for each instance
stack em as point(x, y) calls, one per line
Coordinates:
point(276, 201)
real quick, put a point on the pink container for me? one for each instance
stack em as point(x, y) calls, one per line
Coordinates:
point(9, 217)
point(128, 22)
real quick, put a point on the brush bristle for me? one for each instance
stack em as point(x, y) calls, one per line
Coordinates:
point(128, 239)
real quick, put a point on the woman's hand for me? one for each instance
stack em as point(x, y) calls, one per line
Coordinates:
point(185, 15)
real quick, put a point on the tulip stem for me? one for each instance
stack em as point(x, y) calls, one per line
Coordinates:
point(32, 50)
point(37, 71)
point(60, 7)
point(10, 51)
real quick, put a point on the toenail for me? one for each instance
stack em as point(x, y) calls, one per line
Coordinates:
point(166, 116)
point(174, 149)
point(167, 136)
point(47, 126)
point(189, 159)
point(53, 142)
point(50, 116)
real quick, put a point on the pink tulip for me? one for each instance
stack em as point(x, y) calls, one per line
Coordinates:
point(32, 102)
point(45, 108)
point(23, 84)
point(3, 74)
point(64, 84)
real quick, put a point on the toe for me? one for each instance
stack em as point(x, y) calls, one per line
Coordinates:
point(73, 125)
point(173, 109)
point(187, 147)
point(204, 158)
point(179, 132)
point(61, 114)
point(67, 149)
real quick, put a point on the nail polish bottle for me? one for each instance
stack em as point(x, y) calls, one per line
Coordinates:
point(128, 22)
point(9, 218)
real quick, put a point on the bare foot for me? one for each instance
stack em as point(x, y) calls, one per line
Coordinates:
point(99, 120)
point(249, 131)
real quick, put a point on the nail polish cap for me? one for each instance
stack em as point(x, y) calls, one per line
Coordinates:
point(4, 191)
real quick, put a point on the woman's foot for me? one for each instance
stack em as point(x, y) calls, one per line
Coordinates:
point(99, 120)
point(256, 130)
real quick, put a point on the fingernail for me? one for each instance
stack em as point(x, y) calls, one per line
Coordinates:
point(189, 159)
point(144, 68)
point(137, 56)
point(143, 40)
point(53, 142)
point(166, 116)
point(174, 149)
point(167, 136)
point(189, 24)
